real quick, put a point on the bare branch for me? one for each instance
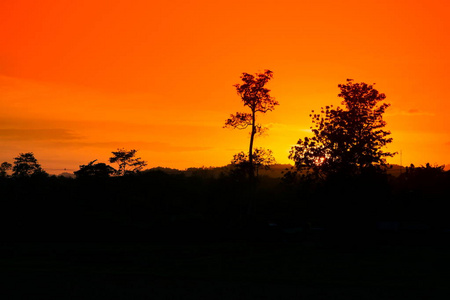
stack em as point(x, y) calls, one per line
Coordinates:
point(239, 121)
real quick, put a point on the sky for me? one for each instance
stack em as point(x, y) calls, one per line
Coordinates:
point(79, 79)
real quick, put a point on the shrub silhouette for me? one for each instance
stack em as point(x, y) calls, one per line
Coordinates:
point(93, 169)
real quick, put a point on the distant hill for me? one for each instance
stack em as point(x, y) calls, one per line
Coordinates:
point(67, 175)
point(275, 171)
point(395, 170)
point(165, 170)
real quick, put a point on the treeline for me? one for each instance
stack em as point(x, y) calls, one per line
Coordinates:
point(26, 165)
point(154, 205)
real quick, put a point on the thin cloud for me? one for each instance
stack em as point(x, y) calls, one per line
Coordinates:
point(287, 127)
point(37, 135)
point(139, 145)
point(411, 112)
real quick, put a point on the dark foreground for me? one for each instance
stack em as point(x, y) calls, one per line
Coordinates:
point(206, 237)
point(223, 270)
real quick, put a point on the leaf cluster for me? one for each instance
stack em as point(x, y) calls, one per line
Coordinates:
point(127, 161)
point(256, 97)
point(93, 169)
point(26, 165)
point(4, 167)
point(262, 158)
point(254, 94)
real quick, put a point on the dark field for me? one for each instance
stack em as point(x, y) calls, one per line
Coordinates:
point(202, 236)
point(225, 270)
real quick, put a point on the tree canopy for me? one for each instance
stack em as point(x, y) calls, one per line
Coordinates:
point(127, 161)
point(4, 167)
point(349, 139)
point(26, 165)
point(93, 169)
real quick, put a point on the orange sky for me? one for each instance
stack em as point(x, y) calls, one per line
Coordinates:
point(79, 79)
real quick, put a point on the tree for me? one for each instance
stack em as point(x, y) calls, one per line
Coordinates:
point(4, 167)
point(127, 161)
point(256, 97)
point(346, 140)
point(262, 158)
point(94, 170)
point(26, 165)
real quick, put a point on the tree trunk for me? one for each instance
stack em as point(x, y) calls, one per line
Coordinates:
point(250, 150)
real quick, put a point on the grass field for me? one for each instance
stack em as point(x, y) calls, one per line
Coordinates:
point(227, 270)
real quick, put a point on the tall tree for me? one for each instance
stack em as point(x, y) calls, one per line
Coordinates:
point(257, 98)
point(346, 140)
point(26, 165)
point(127, 161)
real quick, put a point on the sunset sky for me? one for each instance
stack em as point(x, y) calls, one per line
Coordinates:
point(79, 79)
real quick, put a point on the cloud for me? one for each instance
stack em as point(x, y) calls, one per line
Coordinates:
point(138, 145)
point(410, 112)
point(154, 146)
point(166, 147)
point(36, 134)
point(416, 112)
point(287, 127)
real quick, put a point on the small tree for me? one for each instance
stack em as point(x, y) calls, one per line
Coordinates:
point(262, 158)
point(346, 140)
point(127, 161)
point(4, 167)
point(26, 165)
point(94, 170)
point(256, 97)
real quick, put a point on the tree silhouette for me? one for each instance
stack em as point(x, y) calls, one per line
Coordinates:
point(26, 165)
point(256, 97)
point(262, 158)
point(346, 140)
point(127, 161)
point(4, 167)
point(94, 170)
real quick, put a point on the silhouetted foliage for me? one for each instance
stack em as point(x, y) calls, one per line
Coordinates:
point(262, 158)
point(93, 169)
point(201, 204)
point(427, 172)
point(425, 181)
point(127, 161)
point(4, 167)
point(256, 97)
point(26, 165)
point(346, 140)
